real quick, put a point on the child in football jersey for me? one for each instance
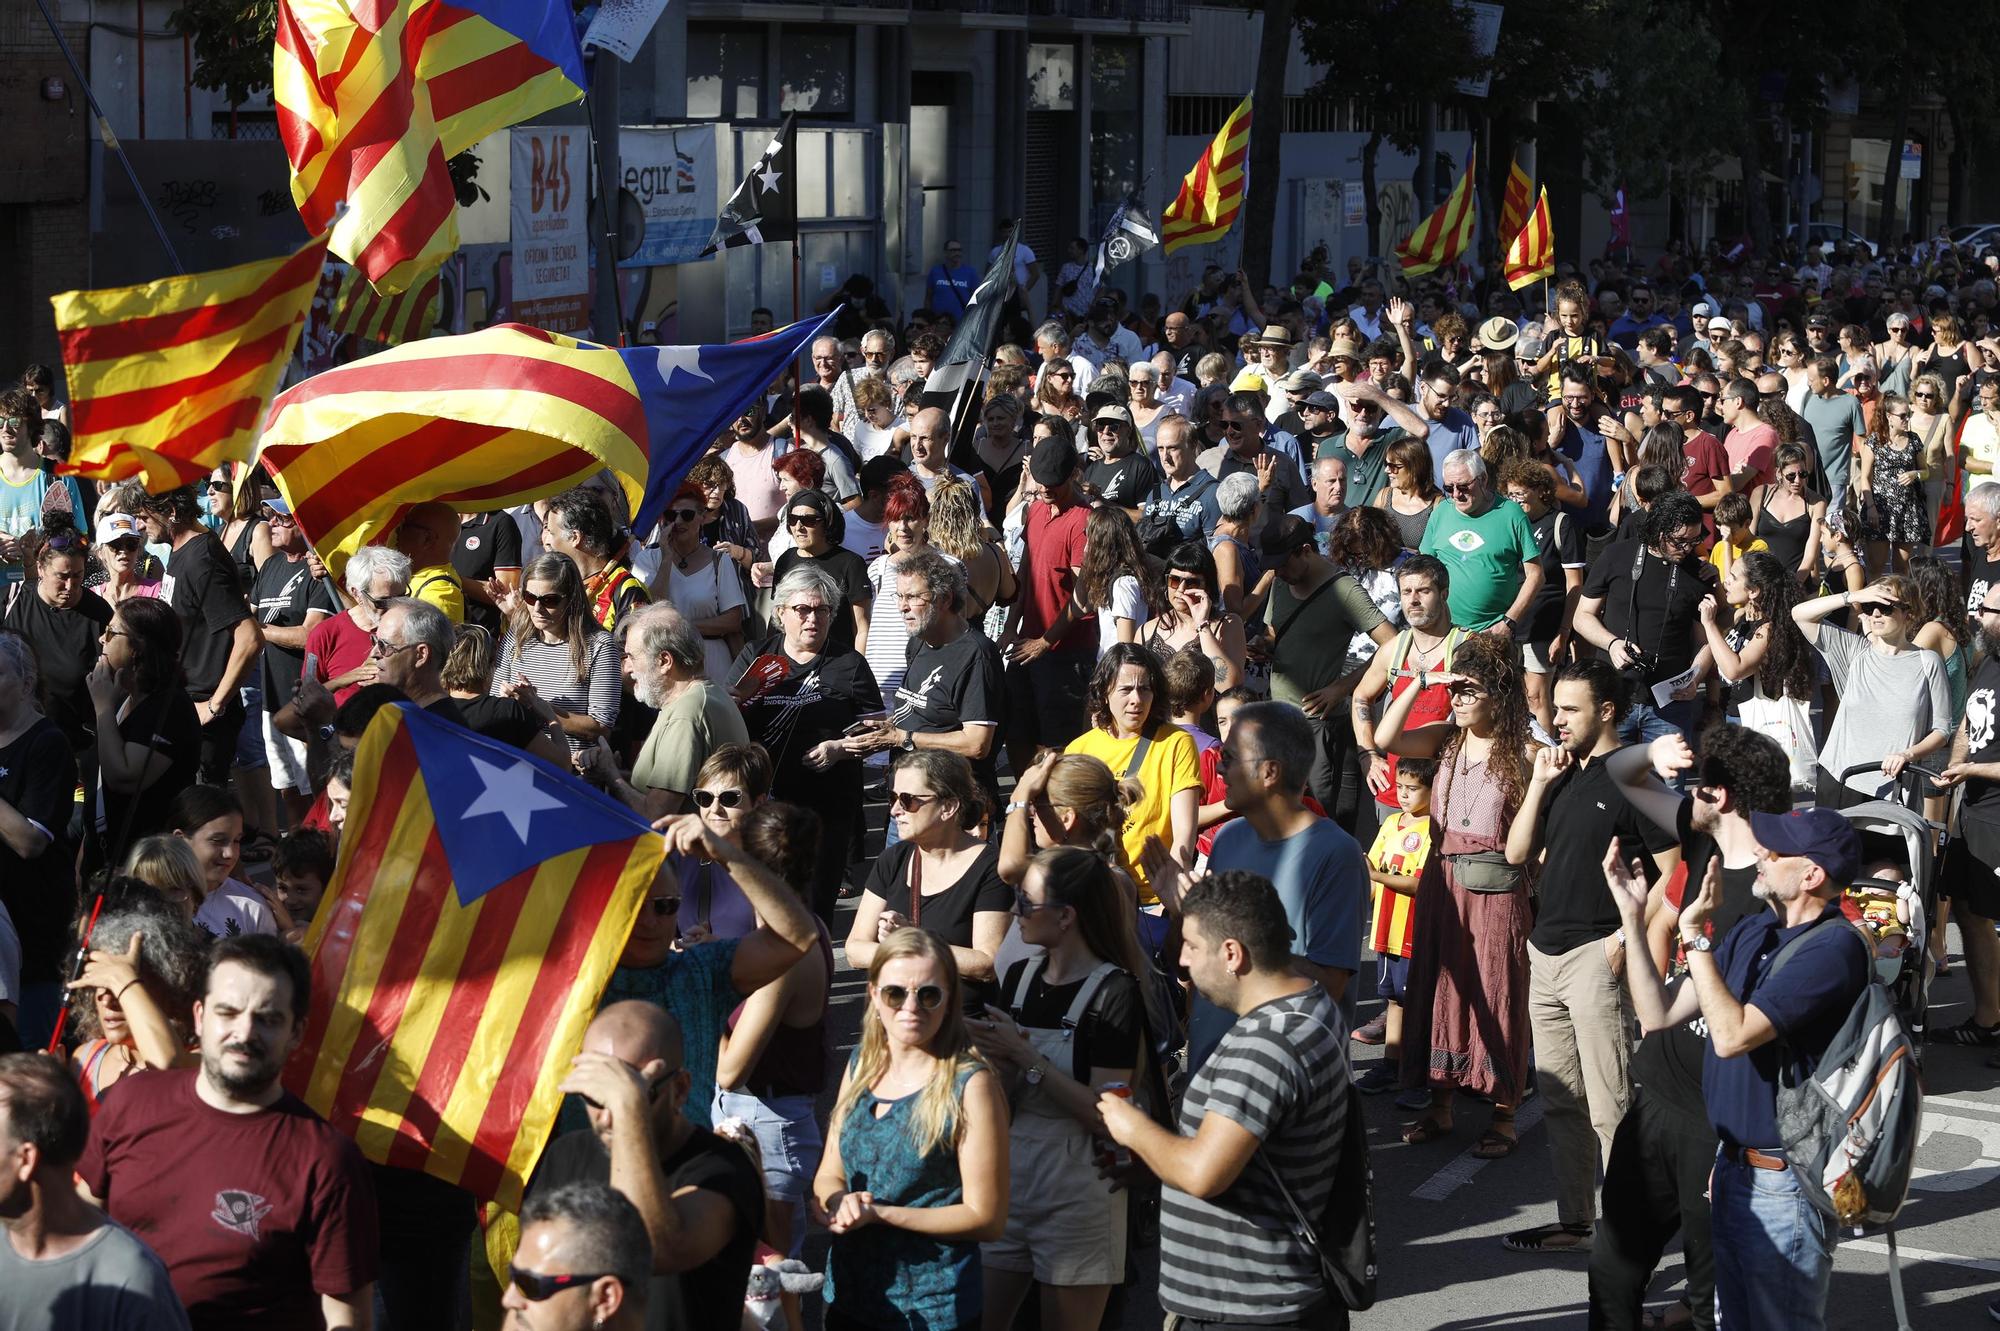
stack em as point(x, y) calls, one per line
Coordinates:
point(1395, 863)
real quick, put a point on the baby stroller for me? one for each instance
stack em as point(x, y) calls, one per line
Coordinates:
point(1893, 900)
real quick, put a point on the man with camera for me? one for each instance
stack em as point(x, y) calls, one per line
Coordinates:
point(1640, 607)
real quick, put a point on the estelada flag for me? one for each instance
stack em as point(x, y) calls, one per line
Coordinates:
point(503, 416)
point(1212, 191)
point(169, 380)
point(1514, 204)
point(481, 903)
point(391, 319)
point(1532, 256)
point(1446, 233)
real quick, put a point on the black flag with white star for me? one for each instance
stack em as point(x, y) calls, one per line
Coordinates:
point(765, 207)
point(1129, 235)
point(964, 357)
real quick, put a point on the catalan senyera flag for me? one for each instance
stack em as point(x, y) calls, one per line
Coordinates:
point(1212, 193)
point(1446, 233)
point(392, 320)
point(374, 96)
point(503, 416)
point(169, 379)
point(1532, 256)
point(1514, 203)
point(482, 900)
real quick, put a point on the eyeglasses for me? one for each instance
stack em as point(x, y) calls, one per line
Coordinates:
point(534, 600)
point(908, 803)
point(810, 611)
point(898, 996)
point(1024, 907)
point(1988, 610)
point(110, 632)
point(1681, 540)
point(804, 519)
point(728, 799)
point(684, 514)
point(376, 647)
point(535, 1287)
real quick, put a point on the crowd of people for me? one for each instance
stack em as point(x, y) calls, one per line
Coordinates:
point(1537, 654)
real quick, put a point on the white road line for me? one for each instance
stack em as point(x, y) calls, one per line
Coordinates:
point(1462, 1169)
point(1960, 1102)
point(1908, 1254)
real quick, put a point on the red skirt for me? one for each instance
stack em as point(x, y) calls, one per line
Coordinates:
point(1465, 1012)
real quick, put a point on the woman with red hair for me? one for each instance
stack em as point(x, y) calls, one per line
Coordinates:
point(907, 515)
point(800, 469)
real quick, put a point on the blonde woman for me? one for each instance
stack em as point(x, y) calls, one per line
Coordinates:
point(167, 864)
point(958, 528)
point(1934, 413)
point(914, 1177)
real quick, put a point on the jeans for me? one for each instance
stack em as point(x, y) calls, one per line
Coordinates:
point(790, 1141)
point(1646, 723)
point(1655, 1184)
point(1773, 1251)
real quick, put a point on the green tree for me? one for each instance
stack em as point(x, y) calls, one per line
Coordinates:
point(233, 44)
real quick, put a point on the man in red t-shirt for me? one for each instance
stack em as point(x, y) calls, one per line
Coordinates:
point(1750, 443)
point(264, 1214)
point(1051, 643)
point(1707, 474)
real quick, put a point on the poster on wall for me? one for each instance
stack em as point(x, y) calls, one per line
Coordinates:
point(672, 174)
point(548, 199)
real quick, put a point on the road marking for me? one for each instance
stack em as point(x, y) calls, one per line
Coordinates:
point(1465, 1166)
point(1984, 1132)
point(1908, 1254)
point(1960, 1102)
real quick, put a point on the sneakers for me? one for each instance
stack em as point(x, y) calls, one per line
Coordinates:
point(1371, 1031)
point(1417, 1097)
point(1380, 1077)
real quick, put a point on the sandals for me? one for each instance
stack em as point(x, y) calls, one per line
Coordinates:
point(1967, 1032)
point(1424, 1131)
point(1495, 1145)
point(1539, 1239)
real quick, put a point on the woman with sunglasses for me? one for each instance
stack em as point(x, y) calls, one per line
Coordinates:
point(940, 876)
point(1411, 493)
point(1788, 515)
point(1147, 407)
point(701, 581)
point(733, 782)
point(555, 652)
point(816, 525)
point(148, 736)
point(1055, 392)
point(915, 1172)
point(29, 494)
point(1194, 615)
point(1889, 475)
point(772, 1067)
point(246, 528)
point(1895, 697)
point(1465, 1024)
point(1070, 1022)
point(121, 554)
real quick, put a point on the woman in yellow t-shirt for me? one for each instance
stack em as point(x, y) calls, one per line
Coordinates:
point(1132, 733)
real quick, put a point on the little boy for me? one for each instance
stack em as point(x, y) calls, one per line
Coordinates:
point(1395, 863)
point(1735, 539)
point(303, 864)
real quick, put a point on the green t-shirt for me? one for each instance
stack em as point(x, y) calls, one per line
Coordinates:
point(1310, 651)
point(689, 728)
point(1486, 556)
point(1367, 471)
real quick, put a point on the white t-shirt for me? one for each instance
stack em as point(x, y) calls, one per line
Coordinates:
point(1127, 602)
point(234, 908)
point(1023, 257)
point(863, 537)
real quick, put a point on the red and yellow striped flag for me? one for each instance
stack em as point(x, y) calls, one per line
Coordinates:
point(1212, 193)
point(169, 380)
point(1446, 233)
point(1532, 256)
point(392, 320)
point(1514, 204)
point(481, 904)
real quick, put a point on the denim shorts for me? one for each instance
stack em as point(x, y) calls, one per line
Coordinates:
point(788, 1135)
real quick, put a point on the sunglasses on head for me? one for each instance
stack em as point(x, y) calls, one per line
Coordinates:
point(897, 996)
point(536, 1287)
point(65, 541)
point(728, 799)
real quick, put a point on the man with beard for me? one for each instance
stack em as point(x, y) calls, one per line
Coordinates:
point(264, 1214)
point(666, 664)
point(1974, 859)
point(1423, 589)
point(1576, 951)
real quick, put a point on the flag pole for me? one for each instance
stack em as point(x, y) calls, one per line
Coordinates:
point(109, 139)
point(798, 378)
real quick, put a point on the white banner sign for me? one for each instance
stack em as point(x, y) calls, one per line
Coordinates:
point(621, 26)
point(550, 197)
point(672, 174)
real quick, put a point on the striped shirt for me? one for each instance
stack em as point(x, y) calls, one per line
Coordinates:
point(1281, 1073)
point(548, 667)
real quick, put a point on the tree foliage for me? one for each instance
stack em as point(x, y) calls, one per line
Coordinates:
point(233, 44)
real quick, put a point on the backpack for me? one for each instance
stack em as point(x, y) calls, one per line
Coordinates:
point(1851, 1126)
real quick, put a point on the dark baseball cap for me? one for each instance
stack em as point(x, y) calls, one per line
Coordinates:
point(1324, 400)
point(1054, 461)
point(1291, 533)
point(1820, 835)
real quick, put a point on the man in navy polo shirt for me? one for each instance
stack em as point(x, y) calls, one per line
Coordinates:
point(1773, 1250)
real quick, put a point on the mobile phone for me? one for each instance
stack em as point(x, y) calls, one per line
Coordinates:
point(312, 665)
point(863, 724)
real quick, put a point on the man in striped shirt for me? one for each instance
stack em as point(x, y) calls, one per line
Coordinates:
point(1273, 1096)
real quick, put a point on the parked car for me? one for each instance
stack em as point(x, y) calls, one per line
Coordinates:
point(1832, 237)
point(1977, 234)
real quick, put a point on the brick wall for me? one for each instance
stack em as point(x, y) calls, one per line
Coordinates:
point(44, 222)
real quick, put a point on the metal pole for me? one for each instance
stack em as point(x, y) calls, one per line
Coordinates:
point(601, 108)
point(1427, 160)
point(141, 31)
point(798, 376)
point(109, 139)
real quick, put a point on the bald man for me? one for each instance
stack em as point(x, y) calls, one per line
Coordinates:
point(700, 1196)
point(427, 534)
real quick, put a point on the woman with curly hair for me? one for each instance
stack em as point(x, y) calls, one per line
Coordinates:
point(1946, 629)
point(1365, 545)
point(1466, 1010)
point(134, 995)
point(1132, 732)
point(1115, 581)
point(1194, 615)
point(1764, 659)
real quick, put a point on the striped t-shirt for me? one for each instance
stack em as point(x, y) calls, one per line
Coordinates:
point(550, 668)
point(1281, 1073)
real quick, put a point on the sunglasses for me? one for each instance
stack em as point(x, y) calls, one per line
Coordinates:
point(1792, 476)
point(1884, 608)
point(728, 799)
point(904, 801)
point(128, 545)
point(534, 600)
point(684, 514)
point(277, 519)
point(810, 611)
point(1184, 580)
point(664, 906)
point(65, 541)
point(536, 1287)
point(1233, 427)
point(804, 519)
point(897, 996)
point(1458, 487)
point(1466, 689)
point(1024, 907)
point(14, 423)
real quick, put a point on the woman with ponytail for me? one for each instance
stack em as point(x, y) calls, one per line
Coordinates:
point(915, 1169)
point(1068, 799)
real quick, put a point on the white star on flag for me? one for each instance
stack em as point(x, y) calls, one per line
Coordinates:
point(685, 359)
point(768, 178)
point(512, 793)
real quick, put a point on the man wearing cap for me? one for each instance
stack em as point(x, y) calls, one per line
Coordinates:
point(1487, 545)
point(1184, 494)
point(1051, 640)
point(1247, 446)
point(291, 595)
point(1314, 611)
point(1122, 474)
point(1320, 424)
point(1773, 1249)
point(1293, 388)
point(1105, 337)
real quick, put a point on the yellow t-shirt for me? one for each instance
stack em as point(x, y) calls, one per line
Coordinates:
point(1724, 554)
point(1402, 845)
point(1170, 766)
point(440, 586)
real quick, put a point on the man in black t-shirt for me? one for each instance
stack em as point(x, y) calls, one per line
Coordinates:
point(1971, 864)
point(290, 596)
point(951, 696)
point(705, 1204)
point(1641, 609)
point(1576, 951)
point(1122, 473)
point(1656, 1181)
point(487, 555)
point(1979, 549)
point(219, 636)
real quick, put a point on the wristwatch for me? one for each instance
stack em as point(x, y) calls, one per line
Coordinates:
point(1699, 943)
point(1033, 1076)
point(1013, 807)
point(909, 744)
